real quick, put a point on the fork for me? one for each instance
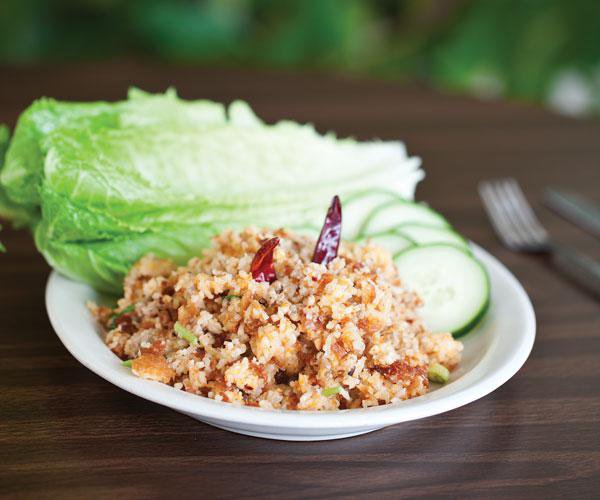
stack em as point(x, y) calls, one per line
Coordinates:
point(518, 228)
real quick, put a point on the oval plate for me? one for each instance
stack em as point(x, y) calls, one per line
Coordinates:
point(493, 353)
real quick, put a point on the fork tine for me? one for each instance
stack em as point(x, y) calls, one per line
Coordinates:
point(521, 234)
point(525, 211)
point(502, 225)
point(530, 238)
point(496, 218)
point(512, 216)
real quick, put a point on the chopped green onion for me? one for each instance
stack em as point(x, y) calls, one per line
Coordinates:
point(331, 391)
point(183, 333)
point(438, 373)
point(127, 362)
point(229, 297)
point(113, 319)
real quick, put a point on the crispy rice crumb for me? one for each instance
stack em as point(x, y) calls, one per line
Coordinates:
point(153, 367)
point(340, 336)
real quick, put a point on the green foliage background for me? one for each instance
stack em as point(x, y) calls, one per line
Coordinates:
point(540, 50)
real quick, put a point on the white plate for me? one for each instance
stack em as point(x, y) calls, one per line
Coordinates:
point(493, 353)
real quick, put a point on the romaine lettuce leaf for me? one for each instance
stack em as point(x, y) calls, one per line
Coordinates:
point(103, 184)
point(148, 175)
point(9, 209)
point(104, 263)
point(22, 174)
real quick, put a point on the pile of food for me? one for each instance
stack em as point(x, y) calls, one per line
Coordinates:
point(292, 318)
point(309, 336)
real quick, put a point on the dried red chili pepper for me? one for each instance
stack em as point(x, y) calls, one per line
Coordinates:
point(331, 234)
point(262, 267)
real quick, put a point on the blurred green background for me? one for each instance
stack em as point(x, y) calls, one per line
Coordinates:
point(545, 51)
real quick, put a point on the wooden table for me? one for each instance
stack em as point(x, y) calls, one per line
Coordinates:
point(67, 433)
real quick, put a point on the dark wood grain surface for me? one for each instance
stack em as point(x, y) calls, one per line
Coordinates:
point(64, 432)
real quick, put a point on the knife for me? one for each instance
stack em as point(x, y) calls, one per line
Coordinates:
point(576, 209)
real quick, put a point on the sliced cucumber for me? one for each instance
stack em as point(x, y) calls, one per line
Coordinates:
point(393, 242)
point(423, 234)
point(357, 207)
point(454, 286)
point(397, 212)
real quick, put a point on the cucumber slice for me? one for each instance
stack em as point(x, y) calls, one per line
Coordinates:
point(422, 234)
point(393, 242)
point(397, 212)
point(454, 286)
point(358, 206)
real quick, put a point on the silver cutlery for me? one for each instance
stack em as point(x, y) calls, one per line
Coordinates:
point(518, 228)
point(575, 209)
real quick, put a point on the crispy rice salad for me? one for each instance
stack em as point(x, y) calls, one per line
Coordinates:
point(260, 321)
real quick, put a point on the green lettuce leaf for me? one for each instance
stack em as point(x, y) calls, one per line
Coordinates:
point(103, 184)
point(104, 263)
point(23, 172)
point(9, 209)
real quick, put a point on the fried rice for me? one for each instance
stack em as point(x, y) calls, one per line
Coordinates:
point(320, 337)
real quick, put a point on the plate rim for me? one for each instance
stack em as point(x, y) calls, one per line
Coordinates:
point(421, 407)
